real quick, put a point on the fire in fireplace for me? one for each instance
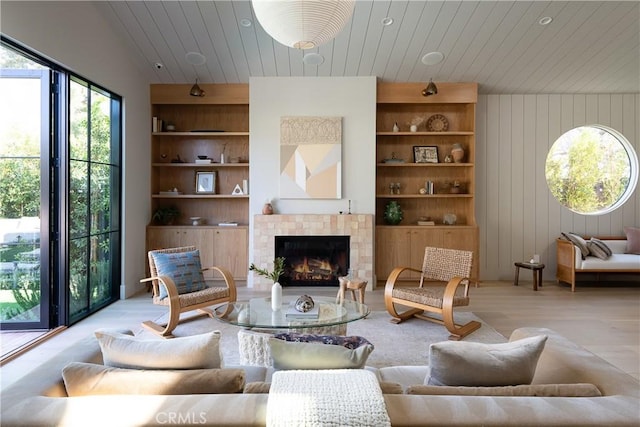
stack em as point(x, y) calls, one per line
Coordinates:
point(313, 260)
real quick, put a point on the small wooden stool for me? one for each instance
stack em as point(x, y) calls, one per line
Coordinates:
point(352, 285)
point(537, 273)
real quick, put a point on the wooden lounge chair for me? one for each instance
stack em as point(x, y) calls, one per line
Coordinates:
point(449, 266)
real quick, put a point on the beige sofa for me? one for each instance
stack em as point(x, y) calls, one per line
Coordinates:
point(40, 399)
point(570, 262)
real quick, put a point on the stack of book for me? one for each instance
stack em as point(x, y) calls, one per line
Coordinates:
point(292, 313)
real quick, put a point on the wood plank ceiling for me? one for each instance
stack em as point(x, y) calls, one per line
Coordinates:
point(589, 46)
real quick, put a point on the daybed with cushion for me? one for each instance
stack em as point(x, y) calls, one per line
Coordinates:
point(40, 398)
point(577, 254)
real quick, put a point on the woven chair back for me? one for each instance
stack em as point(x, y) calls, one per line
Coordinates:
point(444, 264)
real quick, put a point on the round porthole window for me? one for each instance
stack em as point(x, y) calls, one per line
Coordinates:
point(592, 170)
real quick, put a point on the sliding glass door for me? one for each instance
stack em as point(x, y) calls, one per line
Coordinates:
point(60, 193)
point(24, 178)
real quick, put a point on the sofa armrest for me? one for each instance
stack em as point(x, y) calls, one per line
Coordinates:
point(563, 361)
point(566, 256)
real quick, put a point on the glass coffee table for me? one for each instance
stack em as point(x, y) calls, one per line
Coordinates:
point(257, 314)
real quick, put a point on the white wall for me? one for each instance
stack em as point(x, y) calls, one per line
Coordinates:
point(516, 213)
point(74, 35)
point(353, 99)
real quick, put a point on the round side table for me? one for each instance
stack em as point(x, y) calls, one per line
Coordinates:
point(536, 268)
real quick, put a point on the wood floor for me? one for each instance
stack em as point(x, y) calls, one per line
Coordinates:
point(604, 319)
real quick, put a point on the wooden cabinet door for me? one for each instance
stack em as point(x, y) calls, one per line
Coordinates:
point(393, 249)
point(464, 239)
point(420, 239)
point(231, 250)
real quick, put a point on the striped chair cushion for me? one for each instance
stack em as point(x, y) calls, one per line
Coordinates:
point(183, 268)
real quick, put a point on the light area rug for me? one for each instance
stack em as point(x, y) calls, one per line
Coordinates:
point(406, 343)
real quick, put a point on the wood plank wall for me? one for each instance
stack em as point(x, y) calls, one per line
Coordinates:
point(516, 213)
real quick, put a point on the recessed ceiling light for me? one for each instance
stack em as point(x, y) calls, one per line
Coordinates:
point(245, 22)
point(387, 21)
point(432, 58)
point(195, 58)
point(546, 20)
point(313, 59)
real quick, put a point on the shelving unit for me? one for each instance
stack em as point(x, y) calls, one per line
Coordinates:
point(214, 125)
point(403, 103)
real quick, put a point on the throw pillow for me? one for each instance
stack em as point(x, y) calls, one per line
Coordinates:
point(193, 352)
point(302, 351)
point(540, 390)
point(83, 379)
point(598, 248)
point(633, 240)
point(461, 363)
point(579, 242)
point(183, 268)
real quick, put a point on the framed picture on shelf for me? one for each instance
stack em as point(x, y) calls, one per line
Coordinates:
point(206, 182)
point(425, 154)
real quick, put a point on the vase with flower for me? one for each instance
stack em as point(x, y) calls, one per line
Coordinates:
point(274, 275)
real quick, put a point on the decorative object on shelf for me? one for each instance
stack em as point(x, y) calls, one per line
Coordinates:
point(173, 192)
point(303, 24)
point(393, 213)
point(437, 123)
point(430, 187)
point(166, 215)
point(415, 122)
point(206, 182)
point(449, 219)
point(203, 160)
point(425, 220)
point(393, 159)
point(455, 187)
point(170, 127)
point(177, 159)
point(431, 89)
point(237, 191)
point(267, 209)
point(457, 153)
point(195, 90)
point(425, 154)
point(196, 220)
point(396, 128)
point(394, 188)
point(448, 158)
point(276, 288)
point(422, 191)
point(304, 303)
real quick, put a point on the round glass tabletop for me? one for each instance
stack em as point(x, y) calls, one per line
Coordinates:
point(257, 313)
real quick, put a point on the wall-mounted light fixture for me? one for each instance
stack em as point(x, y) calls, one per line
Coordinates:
point(195, 90)
point(431, 89)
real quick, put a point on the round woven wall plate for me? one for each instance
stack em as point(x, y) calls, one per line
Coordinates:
point(437, 123)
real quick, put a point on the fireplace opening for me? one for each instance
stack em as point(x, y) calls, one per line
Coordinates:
point(313, 260)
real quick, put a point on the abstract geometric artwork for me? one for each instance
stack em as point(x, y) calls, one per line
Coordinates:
point(311, 157)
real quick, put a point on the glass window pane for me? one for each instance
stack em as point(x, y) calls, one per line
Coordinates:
point(100, 269)
point(78, 122)
point(78, 199)
point(100, 127)
point(100, 198)
point(78, 290)
point(592, 170)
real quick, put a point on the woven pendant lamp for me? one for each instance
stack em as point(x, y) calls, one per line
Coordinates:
point(303, 24)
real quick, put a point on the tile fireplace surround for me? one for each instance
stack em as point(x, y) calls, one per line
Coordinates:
point(358, 226)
